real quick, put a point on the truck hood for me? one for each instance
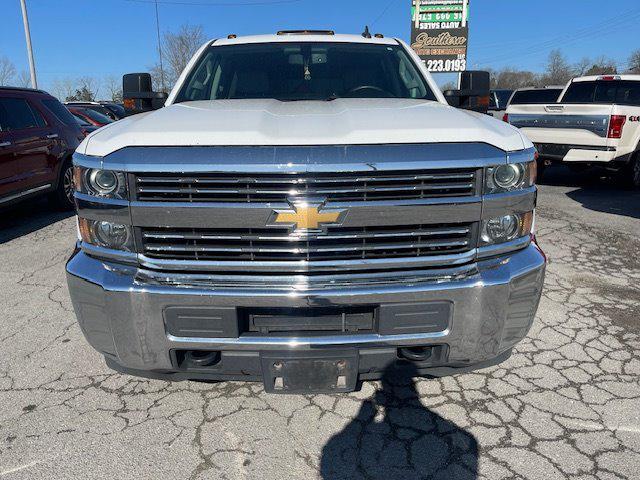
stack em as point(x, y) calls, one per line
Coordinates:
point(272, 122)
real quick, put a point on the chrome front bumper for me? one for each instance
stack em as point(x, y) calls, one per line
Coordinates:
point(120, 310)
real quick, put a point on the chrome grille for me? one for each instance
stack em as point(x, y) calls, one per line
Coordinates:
point(264, 188)
point(338, 243)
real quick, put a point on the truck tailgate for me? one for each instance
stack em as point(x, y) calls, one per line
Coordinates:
point(566, 124)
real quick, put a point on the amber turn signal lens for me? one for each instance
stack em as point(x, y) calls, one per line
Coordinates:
point(77, 178)
point(533, 171)
point(84, 229)
point(526, 223)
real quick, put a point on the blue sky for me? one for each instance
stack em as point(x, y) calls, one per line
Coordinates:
point(110, 37)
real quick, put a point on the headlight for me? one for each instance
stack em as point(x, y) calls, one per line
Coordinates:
point(506, 228)
point(100, 183)
point(509, 177)
point(104, 182)
point(104, 234)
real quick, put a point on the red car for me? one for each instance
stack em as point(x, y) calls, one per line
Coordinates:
point(91, 116)
point(38, 135)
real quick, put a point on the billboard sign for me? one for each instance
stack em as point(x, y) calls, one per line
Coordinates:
point(440, 33)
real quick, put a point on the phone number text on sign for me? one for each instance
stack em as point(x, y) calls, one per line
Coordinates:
point(440, 33)
point(446, 65)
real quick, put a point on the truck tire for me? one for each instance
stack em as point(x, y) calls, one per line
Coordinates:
point(64, 191)
point(631, 173)
point(635, 171)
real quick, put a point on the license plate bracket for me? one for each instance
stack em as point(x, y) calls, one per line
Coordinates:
point(310, 372)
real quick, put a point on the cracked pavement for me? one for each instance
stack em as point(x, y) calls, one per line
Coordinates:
point(565, 405)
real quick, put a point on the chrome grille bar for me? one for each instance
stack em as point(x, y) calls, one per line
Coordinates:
point(339, 243)
point(147, 178)
point(290, 192)
point(217, 187)
point(286, 236)
point(301, 250)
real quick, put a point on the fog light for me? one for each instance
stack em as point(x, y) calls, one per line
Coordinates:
point(506, 228)
point(104, 234)
point(111, 235)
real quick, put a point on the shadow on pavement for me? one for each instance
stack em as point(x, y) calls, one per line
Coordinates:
point(28, 217)
point(394, 437)
point(596, 190)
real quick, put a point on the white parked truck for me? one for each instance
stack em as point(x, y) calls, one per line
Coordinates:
point(596, 121)
point(305, 210)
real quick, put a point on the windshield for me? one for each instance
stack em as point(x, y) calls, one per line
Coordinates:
point(117, 109)
point(59, 110)
point(304, 71)
point(622, 92)
point(81, 121)
point(501, 99)
point(536, 97)
point(95, 116)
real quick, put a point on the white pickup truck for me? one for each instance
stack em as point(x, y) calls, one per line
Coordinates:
point(305, 210)
point(596, 121)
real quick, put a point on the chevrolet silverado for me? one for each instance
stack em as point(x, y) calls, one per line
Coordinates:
point(305, 210)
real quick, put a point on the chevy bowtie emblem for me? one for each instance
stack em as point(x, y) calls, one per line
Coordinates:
point(307, 216)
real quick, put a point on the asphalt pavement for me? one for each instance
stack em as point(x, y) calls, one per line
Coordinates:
point(565, 405)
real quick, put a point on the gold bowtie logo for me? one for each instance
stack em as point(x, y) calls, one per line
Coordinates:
point(308, 217)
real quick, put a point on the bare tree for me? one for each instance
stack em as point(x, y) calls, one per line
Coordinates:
point(7, 71)
point(449, 86)
point(513, 79)
point(113, 86)
point(602, 66)
point(63, 88)
point(583, 66)
point(177, 50)
point(89, 84)
point(82, 94)
point(558, 70)
point(634, 62)
point(23, 79)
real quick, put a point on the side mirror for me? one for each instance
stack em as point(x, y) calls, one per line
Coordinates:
point(138, 95)
point(474, 92)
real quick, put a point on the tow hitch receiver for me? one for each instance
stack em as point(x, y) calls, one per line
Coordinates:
point(335, 371)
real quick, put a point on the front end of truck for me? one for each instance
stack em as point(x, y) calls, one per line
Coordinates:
point(306, 211)
point(357, 257)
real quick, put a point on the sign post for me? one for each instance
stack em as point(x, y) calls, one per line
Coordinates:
point(440, 33)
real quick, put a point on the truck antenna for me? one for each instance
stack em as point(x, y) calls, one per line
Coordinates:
point(366, 33)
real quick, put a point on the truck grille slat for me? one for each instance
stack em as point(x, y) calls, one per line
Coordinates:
point(338, 244)
point(294, 192)
point(262, 188)
point(295, 179)
point(285, 236)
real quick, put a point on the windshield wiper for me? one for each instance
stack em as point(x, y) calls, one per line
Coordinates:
point(331, 98)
